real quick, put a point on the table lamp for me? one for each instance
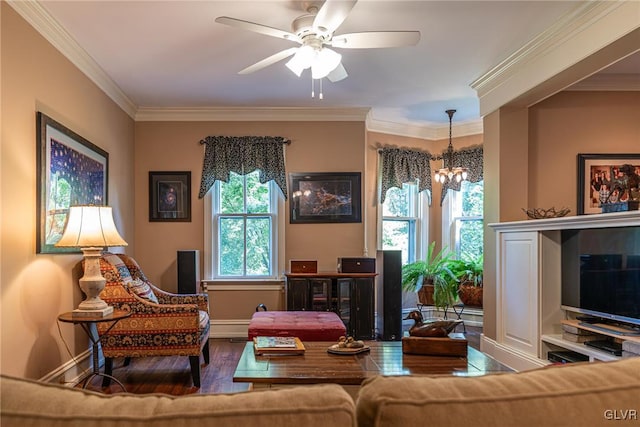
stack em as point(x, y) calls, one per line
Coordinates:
point(91, 228)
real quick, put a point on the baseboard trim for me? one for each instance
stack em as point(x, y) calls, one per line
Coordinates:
point(509, 356)
point(229, 328)
point(71, 372)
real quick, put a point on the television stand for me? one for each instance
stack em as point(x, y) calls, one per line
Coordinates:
point(622, 330)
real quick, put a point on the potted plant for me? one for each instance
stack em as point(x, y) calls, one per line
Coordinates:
point(432, 278)
point(469, 272)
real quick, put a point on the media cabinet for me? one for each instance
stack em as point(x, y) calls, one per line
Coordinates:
point(528, 284)
point(350, 295)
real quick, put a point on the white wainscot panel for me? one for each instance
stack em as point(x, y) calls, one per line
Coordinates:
point(519, 292)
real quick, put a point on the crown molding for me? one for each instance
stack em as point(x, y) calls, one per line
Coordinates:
point(429, 132)
point(573, 22)
point(40, 19)
point(254, 114)
point(591, 28)
point(608, 82)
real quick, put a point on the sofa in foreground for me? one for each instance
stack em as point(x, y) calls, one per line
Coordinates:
point(585, 394)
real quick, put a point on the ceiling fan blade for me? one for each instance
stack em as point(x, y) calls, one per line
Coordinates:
point(376, 39)
point(257, 28)
point(339, 73)
point(333, 13)
point(268, 61)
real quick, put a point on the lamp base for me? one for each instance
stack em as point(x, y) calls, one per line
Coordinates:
point(95, 313)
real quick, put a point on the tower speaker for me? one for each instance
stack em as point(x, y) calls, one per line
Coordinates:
point(389, 295)
point(188, 271)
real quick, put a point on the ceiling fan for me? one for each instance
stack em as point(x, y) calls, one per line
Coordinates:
point(314, 31)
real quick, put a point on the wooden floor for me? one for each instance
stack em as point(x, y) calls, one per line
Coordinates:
point(172, 375)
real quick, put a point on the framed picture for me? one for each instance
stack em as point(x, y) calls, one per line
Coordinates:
point(71, 171)
point(170, 196)
point(600, 176)
point(324, 197)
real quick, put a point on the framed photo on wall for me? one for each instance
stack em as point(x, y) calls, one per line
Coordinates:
point(325, 197)
point(600, 177)
point(71, 171)
point(170, 196)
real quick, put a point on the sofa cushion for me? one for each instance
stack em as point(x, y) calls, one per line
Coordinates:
point(35, 404)
point(581, 394)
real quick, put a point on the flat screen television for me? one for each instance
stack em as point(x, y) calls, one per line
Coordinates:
point(601, 272)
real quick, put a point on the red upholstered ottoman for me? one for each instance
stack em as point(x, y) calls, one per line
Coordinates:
point(306, 325)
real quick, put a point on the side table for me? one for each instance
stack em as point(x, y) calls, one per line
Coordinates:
point(88, 325)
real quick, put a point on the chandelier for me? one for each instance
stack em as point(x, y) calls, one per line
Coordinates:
point(450, 172)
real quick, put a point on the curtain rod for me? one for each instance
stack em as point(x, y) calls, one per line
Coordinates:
point(284, 140)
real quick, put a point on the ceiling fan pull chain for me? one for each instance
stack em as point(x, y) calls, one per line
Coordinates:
point(313, 93)
point(320, 96)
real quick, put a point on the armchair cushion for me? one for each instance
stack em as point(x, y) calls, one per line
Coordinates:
point(171, 325)
point(143, 290)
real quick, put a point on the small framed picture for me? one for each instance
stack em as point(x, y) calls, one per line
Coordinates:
point(170, 196)
point(324, 197)
point(603, 178)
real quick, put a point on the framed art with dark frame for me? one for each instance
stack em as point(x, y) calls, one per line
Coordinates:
point(71, 171)
point(170, 196)
point(599, 176)
point(329, 197)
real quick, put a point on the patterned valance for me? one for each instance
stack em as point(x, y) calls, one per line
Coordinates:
point(243, 155)
point(400, 166)
point(470, 158)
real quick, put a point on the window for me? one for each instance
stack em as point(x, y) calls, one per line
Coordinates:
point(404, 214)
point(462, 220)
point(244, 228)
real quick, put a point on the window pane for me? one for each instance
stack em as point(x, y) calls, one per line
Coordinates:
point(471, 239)
point(397, 201)
point(472, 196)
point(258, 246)
point(231, 246)
point(396, 236)
point(232, 195)
point(257, 194)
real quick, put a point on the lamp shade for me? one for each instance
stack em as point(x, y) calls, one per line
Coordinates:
point(325, 62)
point(90, 226)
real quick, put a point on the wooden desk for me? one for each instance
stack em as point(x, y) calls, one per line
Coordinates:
point(385, 358)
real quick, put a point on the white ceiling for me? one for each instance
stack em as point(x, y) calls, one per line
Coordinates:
point(171, 54)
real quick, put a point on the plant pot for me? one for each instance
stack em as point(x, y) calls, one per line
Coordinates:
point(425, 294)
point(470, 295)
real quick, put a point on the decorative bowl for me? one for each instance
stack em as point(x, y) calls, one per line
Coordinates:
point(539, 213)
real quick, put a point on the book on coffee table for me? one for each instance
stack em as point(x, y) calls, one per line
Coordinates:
point(278, 345)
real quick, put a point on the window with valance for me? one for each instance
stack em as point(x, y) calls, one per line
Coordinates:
point(243, 155)
point(401, 165)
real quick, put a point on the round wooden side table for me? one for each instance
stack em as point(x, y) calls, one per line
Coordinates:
point(88, 324)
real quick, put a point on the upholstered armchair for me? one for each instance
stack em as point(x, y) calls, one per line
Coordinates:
point(161, 324)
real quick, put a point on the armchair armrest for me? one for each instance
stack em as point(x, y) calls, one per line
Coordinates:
point(164, 297)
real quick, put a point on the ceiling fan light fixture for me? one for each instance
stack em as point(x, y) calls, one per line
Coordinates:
point(326, 61)
point(301, 60)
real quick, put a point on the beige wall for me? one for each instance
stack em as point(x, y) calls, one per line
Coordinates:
point(376, 140)
point(571, 123)
point(531, 158)
point(315, 147)
point(36, 288)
